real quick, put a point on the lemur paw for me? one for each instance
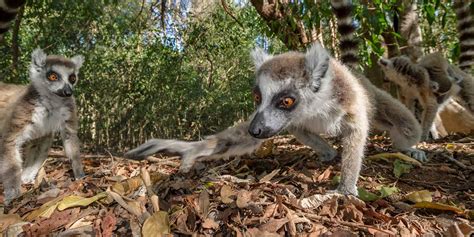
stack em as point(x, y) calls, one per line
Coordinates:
point(79, 175)
point(416, 154)
point(327, 155)
point(27, 178)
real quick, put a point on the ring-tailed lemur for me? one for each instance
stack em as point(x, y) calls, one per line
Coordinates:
point(30, 115)
point(8, 12)
point(465, 25)
point(431, 81)
point(308, 94)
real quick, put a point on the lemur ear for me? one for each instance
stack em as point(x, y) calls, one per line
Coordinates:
point(317, 64)
point(259, 56)
point(38, 58)
point(78, 60)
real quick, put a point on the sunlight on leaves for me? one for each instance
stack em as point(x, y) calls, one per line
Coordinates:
point(78, 201)
point(157, 224)
point(420, 196)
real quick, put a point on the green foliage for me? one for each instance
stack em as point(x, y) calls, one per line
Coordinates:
point(191, 76)
point(139, 82)
point(400, 167)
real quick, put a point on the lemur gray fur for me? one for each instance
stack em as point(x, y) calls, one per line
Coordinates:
point(30, 115)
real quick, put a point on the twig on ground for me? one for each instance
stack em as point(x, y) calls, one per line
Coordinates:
point(348, 224)
point(458, 163)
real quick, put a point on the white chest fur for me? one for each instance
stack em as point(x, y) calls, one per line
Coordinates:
point(44, 121)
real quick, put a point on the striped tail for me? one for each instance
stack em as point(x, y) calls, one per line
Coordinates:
point(345, 26)
point(8, 11)
point(465, 26)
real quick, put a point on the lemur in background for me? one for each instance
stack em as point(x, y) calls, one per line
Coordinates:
point(8, 12)
point(30, 115)
point(465, 25)
point(308, 94)
point(432, 81)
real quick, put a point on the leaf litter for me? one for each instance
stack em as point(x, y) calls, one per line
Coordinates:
point(281, 190)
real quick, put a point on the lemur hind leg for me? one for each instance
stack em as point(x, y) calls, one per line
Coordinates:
point(34, 156)
point(10, 171)
point(404, 129)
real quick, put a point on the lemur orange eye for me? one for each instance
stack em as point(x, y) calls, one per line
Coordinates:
point(72, 79)
point(256, 97)
point(52, 76)
point(287, 102)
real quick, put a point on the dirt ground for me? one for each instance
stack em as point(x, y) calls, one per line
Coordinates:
point(281, 190)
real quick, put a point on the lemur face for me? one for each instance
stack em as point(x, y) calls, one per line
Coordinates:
point(55, 74)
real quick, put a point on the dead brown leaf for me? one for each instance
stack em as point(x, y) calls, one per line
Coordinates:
point(243, 198)
point(325, 175)
point(269, 176)
point(8, 219)
point(226, 193)
point(157, 224)
point(273, 225)
point(47, 225)
point(204, 203)
point(210, 224)
point(255, 232)
point(108, 224)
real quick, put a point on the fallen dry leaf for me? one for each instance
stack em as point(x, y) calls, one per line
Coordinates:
point(420, 196)
point(243, 198)
point(325, 175)
point(127, 186)
point(397, 155)
point(438, 206)
point(204, 203)
point(47, 225)
point(8, 219)
point(273, 225)
point(255, 232)
point(210, 224)
point(108, 224)
point(157, 224)
point(316, 200)
point(52, 193)
point(226, 193)
point(78, 201)
point(269, 176)
point(46, 210)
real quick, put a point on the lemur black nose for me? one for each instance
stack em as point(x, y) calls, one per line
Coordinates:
point(67, 91)
point(255, 132)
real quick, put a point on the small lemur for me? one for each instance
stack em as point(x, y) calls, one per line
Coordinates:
point(308, 94)
point(432, 81)
point(8, 12)
point(30, 115)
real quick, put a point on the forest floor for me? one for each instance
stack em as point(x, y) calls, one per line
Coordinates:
point(281, 190)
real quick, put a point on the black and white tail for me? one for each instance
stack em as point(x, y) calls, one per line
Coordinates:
point(348, 44)
point(465, 25)
point(8, 12)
